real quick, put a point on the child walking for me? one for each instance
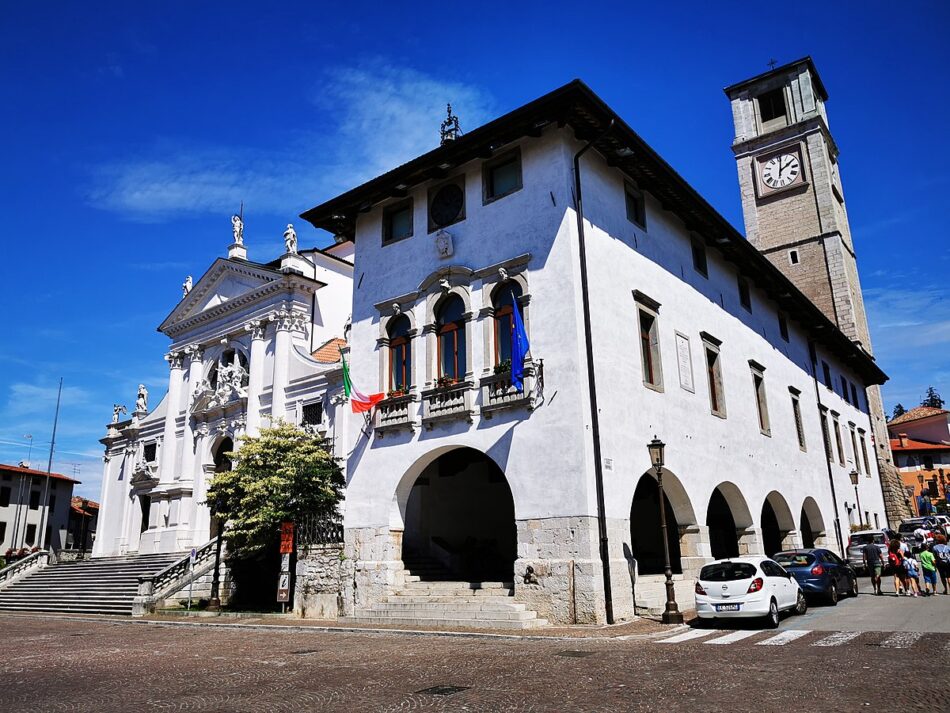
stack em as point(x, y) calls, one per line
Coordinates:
point(928, 566)
point(912, 570)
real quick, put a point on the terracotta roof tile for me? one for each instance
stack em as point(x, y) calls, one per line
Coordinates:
point(329, 352)
point(915, 445)
point(29, 471)
point(916, 414)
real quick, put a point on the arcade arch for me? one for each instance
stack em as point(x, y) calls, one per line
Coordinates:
point(728, 520)
point(778, 525)
point(645, 539)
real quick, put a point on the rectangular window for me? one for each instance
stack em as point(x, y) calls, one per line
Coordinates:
point(397, 221)
point(772, 108)
point(52, 503)
point(877, 522)
point(3, 531)
point(783, 326)
point(312, 414)
point(699, 258)
point(928, 463)
point(501, 176)
point(797, 415)
point(837, 426)
point(864, 451)
point(844, 389)
point(745, 297)
point(854, 449)
point(150, 452)
point(761, 403)
point(4, 498)
point(650, 350)
point(717, 397)
point(636, 210)
point(34, 500)
point(826, 372)
point(854, 396)
point(31, 534)
point(826, 437)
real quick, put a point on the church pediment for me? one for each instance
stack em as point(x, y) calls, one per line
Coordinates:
point(226, 283)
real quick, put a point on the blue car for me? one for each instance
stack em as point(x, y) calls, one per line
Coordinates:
point(820, 573)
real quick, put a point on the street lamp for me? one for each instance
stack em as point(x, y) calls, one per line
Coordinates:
point(672, 614)
point(214, 601)
point(82, 529)
point(854, 481)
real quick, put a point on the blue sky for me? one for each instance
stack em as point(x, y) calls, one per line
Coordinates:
point(131, 132)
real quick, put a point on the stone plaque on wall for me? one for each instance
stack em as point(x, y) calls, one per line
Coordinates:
point(684, 361)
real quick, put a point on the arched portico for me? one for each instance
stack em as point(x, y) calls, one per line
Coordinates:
point(731, 529)
point(645, 538)
point(778, 525)
point(812, 525)
point(458, 518)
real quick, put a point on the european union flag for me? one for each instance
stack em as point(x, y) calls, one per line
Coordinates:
point(519, 347)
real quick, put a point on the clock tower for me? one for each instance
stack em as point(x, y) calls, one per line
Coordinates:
point(794, 209)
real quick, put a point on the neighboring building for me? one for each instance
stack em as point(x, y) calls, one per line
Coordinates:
point(81, 528)
point(240, 354)
point(795, 214)
point(920, 440)
point(649, 315)
point(23, 510)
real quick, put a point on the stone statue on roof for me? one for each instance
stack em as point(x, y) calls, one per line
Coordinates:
point(290, 239)
point(116, 410)
point(141, 399)
point(186, 286)
point(237, 228)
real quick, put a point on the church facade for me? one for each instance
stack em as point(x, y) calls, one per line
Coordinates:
point(245, 348)
point(647, 315)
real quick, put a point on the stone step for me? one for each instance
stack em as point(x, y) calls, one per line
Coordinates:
point(455, 584)
point(402, 596)
point(427, 592)
point(451, 622)
point(71, 608)
point(395, 603)
point(446, 613)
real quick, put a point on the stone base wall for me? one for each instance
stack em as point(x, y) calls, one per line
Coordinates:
point(372, 568)
point(318, 586)
point(201, 589)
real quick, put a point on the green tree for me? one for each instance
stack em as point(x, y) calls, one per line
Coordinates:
point(899, 410)
point(283, 474)
point(932, 398)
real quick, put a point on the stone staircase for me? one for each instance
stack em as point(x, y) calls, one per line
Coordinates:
point(104, 585)
point(432, 596)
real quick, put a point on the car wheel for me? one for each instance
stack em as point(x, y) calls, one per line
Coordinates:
point(833, 595)
point(771, 619)
point(854, 587)
point(801, 605)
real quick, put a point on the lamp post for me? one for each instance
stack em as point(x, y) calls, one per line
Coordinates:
point(82, 529)
point(672, 614)
point(214, 601)
point(854, 481)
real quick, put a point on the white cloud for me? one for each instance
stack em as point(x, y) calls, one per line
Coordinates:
point(376, 117)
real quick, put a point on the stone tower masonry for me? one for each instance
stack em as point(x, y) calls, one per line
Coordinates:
point(795, 214)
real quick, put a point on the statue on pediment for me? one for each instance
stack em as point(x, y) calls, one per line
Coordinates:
point(186, 286)
point(141, 399)
point(116, 410)
point(290, 239)
point(237, 228)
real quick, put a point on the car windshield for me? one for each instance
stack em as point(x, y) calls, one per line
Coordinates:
point(727, 571)
point(909, 526)
point(868, 537)
point(795, 559)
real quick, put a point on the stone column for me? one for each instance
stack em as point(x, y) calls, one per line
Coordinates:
point(283, 343)
point(194, 355)
point(695, 550)
point(202, 522)
point(175, 378)
point(255, 383)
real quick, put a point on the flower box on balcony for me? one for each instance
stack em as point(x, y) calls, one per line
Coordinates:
point(395, 412)
point(498, 392)
point(447, 401)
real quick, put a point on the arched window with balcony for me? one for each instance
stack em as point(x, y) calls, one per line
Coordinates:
point(450, 327)
point(400, 354)
point(503, 299)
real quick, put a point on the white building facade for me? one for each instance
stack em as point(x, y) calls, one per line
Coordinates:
point(694, 337)
point(245, 350)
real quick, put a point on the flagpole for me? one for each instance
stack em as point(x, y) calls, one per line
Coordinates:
point(44, 516)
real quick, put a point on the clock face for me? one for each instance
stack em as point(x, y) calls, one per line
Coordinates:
point(446, 205)
point(781, 171)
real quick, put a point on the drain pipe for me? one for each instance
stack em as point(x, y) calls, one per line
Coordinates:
point(591, 385)
point(826, 432)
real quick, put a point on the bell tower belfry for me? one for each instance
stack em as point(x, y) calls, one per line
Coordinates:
point(795, 213)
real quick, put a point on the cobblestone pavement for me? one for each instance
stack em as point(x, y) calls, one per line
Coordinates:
point(66, 665)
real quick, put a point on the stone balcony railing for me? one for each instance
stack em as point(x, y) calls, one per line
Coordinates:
point(396, 412)
point(498, 392)
point(447, 403)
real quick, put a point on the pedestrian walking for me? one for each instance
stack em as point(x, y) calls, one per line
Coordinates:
point(895, 559)
point(912, 570)
point(942, 552)
point(928, 568)
point(874, 563)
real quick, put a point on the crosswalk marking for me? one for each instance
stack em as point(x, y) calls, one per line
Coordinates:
point(732, 638)
point(784, 637)
point(687, 636)
point(838, 638)
point(902, 639)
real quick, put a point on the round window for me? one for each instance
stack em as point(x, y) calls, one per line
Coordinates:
point(446, 205)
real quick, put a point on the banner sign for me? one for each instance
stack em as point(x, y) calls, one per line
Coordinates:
point(286, 538)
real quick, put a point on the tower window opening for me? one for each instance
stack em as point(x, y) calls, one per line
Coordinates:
point(793, 257)
point(772, 107)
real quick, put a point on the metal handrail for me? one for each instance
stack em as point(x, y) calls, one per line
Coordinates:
point(178, 569)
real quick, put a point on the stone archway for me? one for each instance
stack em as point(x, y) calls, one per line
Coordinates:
point(778, 525)
point(459, 520)
point(645, 539)
point(730, 523)
point(812, 524)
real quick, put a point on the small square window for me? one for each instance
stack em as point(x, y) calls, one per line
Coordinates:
point(397, 222)
point(699, 258)
point(149, 453)
point(783, 326)
point(793, 257)
point(502, 176)
point(636, 210)
point(772, 107)
point(745, 296)
point(313, 414)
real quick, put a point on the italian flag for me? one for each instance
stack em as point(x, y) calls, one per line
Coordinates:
point(358, 400)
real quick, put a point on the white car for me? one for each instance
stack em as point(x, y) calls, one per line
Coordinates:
point(747, 587)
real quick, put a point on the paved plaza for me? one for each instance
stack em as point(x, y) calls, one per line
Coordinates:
point(59, 664)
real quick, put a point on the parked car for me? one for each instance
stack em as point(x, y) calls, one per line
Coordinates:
point(943, 522)
point(747, 587)
point(820, 573)
point(859, 539)
point(910, 531)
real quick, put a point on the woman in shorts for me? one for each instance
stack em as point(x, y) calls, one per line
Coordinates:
point(895, 560)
